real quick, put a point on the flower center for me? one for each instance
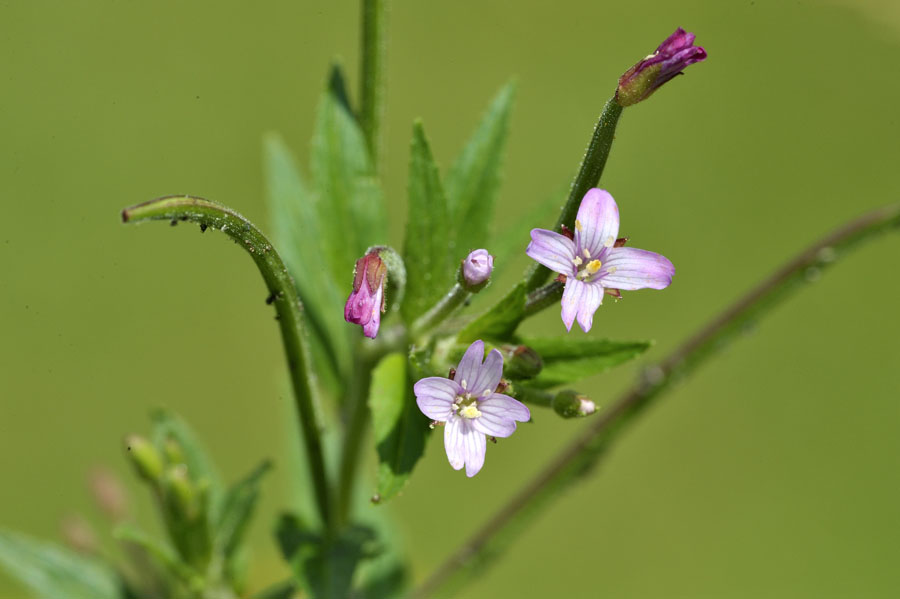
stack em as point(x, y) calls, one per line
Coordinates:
point(466, 406)
point(589, 270)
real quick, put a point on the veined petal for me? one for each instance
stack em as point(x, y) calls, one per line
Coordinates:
point(503, 406)
point(474, 446)
point(591, 298)
point(597, 223)
point(488, 375)
point(571, 300)
point(494, 426)
point(453, 442)
point(553, 250)
point(435, 396)
point(631, 268)
point(470, 365)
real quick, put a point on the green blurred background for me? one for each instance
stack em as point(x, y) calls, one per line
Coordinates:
point(774, 472)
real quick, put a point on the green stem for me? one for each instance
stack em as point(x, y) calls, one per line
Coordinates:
point(452, 300)
point(287, 306)
point(530, 396)
point(588, 176)
point(584, 452)
point(355, 431)
point(542, 298)
point(373, 53)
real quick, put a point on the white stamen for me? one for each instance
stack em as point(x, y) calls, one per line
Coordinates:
point(587, 253)
point(464, 384)
point(610, 241)
point(577, 261)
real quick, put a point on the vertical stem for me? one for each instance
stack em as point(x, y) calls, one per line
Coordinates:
point(354, 431)
point(373, 50)
point(588, 176)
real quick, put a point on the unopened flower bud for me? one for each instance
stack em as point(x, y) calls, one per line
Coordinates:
point(366, 301)
point(144, 456)
point(174, 452)
point(109, 493)
point(669, 60)
point(571, 404)
point(180, 492)
point(79, 534)
point(521, 362)
point(477, 267)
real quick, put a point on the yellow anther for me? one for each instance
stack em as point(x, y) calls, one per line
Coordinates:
point(470, 411)
point(593, 266)
point(578, 226)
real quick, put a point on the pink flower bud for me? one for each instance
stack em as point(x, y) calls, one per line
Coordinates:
point(366, 301)
point(477, 267)
point(669, 60)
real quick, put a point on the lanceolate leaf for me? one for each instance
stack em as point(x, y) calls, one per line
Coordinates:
point(237, 509)
point(429, 266)
point(301, 239)
point(52, 572)
point(474, 179)
point(164, 555)
point(500, 321)
point(567, 360)
point(350, 206)
point(399, 426)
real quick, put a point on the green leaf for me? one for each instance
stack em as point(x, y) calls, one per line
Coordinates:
point(300, 237)
point(164, 555)
point(399, 426)
point(568, 359)
point(351, 204)
point(429, 266)
point(237, 509)
point(168, 425)
point(500, 321)
point(324, 567)
point(281, 590)
point(52, 572)
point(474, 179)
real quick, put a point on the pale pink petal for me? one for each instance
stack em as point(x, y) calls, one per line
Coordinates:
point(553, 250)
point(470, 365)
point(591, 298)
point(597, 223)
point(474, 447)
point(494, 426)
point(488, 376)
point(630, 268)
point(453, 442)
point(370, 329)
point(499, 414)
point(435, 396)
point(571, 300)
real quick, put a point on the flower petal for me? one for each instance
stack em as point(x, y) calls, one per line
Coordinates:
point(453, 442)
point(591, 298)
point(499, 414)
point(571, 300)
point(435, 396)
point(597, 223)
point(553, 250)
point(631, 268)
point(474, 445)
point(470, 365)
point(488, 375)
point(370, 329)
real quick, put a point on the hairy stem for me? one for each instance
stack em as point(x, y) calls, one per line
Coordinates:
point(282, 294)
point(448, 304)
point(354, 431)
point(588, 176)
point(373, 50)
point(542, 298)
point(581, 455)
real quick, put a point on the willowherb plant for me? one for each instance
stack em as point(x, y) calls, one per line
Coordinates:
point(418, 361)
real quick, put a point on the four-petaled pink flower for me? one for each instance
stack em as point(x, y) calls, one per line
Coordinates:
point(366, 301)
point(469, 406)
point(593, 261)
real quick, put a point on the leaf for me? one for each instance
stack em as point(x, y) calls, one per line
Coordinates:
point(281, 590)
point(53, 572)
point(237, 509)
point(324, 567)
point(298, 234)
point(350, 206)
point(474, 179)
point(168, 425)
point(399, 426)
point(567, 360)
point(500, 321)
point(164, 555)
point(429, 267)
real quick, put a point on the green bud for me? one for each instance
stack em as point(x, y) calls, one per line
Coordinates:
point(174, 452)
point(521, 362)
point(147, 461)
point(180, 493)
point(571, 404)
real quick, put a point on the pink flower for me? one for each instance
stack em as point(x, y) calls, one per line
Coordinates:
point(366, 301)
point(470, 408)
point(593, 263)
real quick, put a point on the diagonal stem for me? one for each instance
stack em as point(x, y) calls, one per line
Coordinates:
point(283, 295)
point(584, 453)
